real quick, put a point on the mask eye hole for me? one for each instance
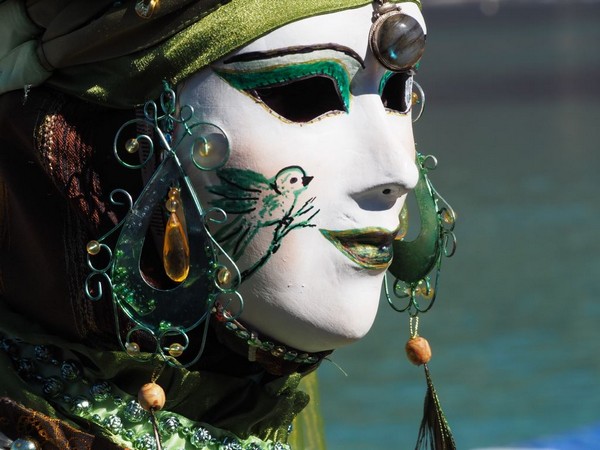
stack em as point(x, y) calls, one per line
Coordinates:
point(396, 94)
point(301, 100)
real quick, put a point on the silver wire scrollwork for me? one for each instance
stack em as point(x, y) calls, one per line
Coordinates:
point(417, 292)
point(165, 315)
point(419, 100)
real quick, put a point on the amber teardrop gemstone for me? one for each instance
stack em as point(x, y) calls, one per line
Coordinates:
point(176, 250)
point(151, 397)
point(418, 350)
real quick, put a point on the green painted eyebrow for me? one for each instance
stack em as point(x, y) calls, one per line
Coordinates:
point(294, 50)
point(283, 74)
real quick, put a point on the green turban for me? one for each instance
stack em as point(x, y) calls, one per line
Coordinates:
point(106, 52)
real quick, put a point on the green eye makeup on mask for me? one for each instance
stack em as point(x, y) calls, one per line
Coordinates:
point(283, 74)
point(384, 80)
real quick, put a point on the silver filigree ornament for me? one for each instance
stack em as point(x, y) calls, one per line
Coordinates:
point(165, 315)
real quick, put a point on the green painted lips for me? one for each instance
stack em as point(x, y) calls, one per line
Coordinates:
point(370, 248)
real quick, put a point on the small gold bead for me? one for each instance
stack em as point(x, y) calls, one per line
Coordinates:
point(174, 193)
point(415, 98)
point(132, 348)
point(447, 217)
point(93, 247)
point(176, 350)
point(204, 149)
point(173, 199)
point(425, 291)
point(132, 145)
point(223, 276)
point(172, 204)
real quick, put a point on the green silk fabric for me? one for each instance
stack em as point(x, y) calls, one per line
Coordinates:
point(243, 406)
point(72, 56)
point(226, 29)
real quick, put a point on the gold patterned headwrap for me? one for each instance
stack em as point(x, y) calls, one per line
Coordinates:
point(118, 52)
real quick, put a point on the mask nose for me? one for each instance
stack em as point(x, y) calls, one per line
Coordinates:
point(380, 197)
point(389, 167)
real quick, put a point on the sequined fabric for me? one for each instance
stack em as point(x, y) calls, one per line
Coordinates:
point(49, 374)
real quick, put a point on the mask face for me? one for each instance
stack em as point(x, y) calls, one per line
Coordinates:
point(322, 157)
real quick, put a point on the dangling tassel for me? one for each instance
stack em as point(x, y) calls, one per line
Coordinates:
point(157, 438)
point(152, 398)
point(434, 433)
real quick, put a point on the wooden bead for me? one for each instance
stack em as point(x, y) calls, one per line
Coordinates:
point(418, 350)
point(151, 397)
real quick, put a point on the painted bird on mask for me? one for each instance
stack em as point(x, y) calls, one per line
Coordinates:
point(260, 202)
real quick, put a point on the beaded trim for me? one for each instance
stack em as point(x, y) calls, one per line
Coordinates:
point(270, 346)
point(63, 382)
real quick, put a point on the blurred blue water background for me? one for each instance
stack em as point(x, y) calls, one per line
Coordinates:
point(513, 115)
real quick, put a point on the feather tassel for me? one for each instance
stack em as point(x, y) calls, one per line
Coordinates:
point(434, 433)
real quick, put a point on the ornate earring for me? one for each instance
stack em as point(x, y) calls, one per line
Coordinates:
point(416, 267)
point(397, 39)
point(203, 272)
point(417, 99)
point(191, 256)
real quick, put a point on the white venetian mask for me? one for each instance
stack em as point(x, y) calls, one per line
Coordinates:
point(318, 172)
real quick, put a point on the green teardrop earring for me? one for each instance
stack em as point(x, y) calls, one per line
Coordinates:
point(416, 267)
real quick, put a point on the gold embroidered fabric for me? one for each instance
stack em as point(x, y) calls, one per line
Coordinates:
point(17, 421)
